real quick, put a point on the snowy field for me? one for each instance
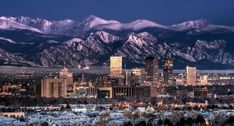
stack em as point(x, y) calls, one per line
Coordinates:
point(89, 116)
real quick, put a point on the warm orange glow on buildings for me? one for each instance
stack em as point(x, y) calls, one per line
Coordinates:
point(116, 65)
point(204, 80)
point(64, 73)
point(191, 75)
point(53, 87)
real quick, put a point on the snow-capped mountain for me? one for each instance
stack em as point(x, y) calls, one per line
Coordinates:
point(39, 42)
point(196, 24)
point(140, 24)
point(46, 26)
point(11, 24)
point(92, 23)
point(7, 58)
point(199, 25)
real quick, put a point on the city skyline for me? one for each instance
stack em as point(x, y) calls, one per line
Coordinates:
point(144, 91)
point(117, 62)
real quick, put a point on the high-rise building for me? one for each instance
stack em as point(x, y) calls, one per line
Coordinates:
point(53, 87)
point(64, 73)
point(116, 65)
point(46, 87)
point(128, 77)
point(191, 75)
point(151, 70)
point(134, 77)
point(168, 71)
point(137, 76)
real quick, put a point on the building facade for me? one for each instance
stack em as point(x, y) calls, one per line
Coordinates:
point(131, 91)
point(53, 87)
point(64, 73)
point(104, 92)
point(168, 71)
point(151, 70)
point(128, 77)
point(191, 75)
point(116, 66)
point(134, 77)
point(137, 76)
point(203, 80)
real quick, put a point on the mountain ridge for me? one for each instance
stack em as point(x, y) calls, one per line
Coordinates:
point(79, 28)
point(80, 43)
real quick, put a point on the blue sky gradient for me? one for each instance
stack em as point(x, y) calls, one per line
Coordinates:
point(160, 11)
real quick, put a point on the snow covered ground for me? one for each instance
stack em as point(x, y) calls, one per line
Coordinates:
point(113, 117)
point(11, 121)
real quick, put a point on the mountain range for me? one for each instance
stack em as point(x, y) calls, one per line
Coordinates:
point(29, 41)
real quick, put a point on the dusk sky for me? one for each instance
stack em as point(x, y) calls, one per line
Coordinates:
point(160, 11)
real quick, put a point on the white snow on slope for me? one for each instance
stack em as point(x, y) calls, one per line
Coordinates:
point(10, 24)
point(8, 40)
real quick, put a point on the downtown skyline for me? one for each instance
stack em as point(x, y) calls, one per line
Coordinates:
point(117, 62)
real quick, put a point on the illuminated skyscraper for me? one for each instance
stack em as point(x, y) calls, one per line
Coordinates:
point(191, 75)
point(151, 70)
point(64, 73)
point(168, 71)
point(116, 65)
point(53, 87)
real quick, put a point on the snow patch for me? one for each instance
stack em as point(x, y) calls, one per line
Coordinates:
point(8, 40)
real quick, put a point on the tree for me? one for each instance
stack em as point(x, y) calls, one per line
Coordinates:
point(160, 122)
point(229, 121)
point(68, 107)
point(45, 124)
point(181, 122)
point(190, 121)
point(200, 120)
point(167, 122)
point(141, 123)
point(127, 124)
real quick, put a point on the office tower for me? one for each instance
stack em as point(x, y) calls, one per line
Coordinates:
point(53, 87)
point(64, 73)
point(62, 87)
point(168, 71)
point(137, 76)
point(151, 70)
point(116, 66)
point(46, 87)
point(128, 74)
point(191, 75)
